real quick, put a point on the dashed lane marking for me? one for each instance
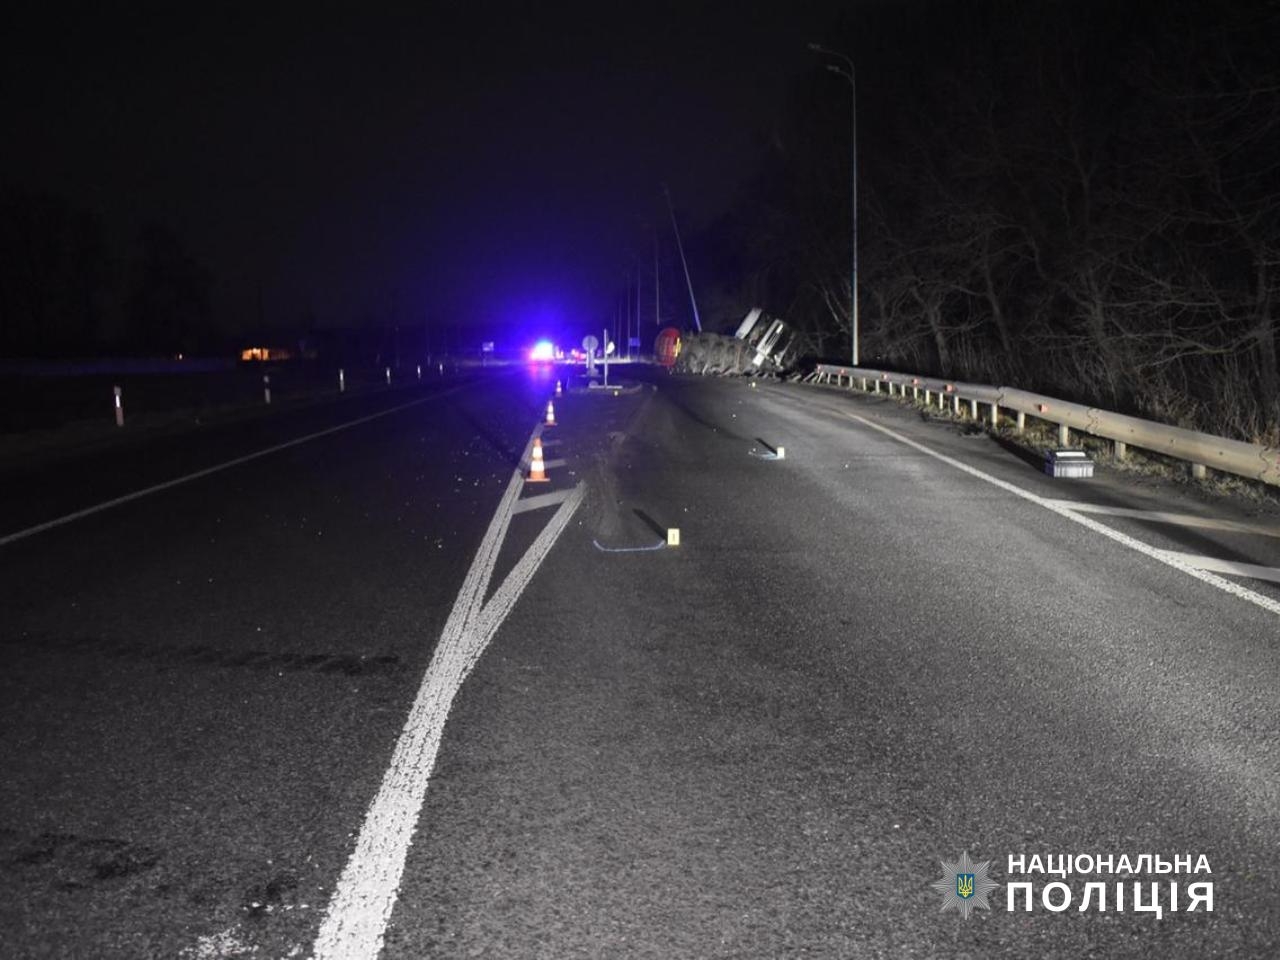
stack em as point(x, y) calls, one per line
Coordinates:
point(553, 499)
point(1251, 570)
point(1178, 519)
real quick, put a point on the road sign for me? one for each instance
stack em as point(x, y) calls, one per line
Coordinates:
point(589, 344)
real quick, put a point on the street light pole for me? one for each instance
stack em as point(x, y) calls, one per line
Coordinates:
point(850, 75)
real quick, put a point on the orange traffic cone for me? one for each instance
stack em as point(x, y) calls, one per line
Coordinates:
point(558, 388)
point(551, 414)
point(537, 469)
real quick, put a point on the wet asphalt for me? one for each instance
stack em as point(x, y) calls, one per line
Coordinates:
point(859, 661)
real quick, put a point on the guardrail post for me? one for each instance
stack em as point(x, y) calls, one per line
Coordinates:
point(119, 402)
point(995, 416)
point(388, 376)
point(1122, 450)
point(864, 384)
point(877, 390)
point(1064, 435)
point(915, 392)
point(1022, 421)
point(928, 397)
point(973, 409)
point(956, 405)
point(1199, 471)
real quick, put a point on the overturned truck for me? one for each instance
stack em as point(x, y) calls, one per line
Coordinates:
point(761, 346)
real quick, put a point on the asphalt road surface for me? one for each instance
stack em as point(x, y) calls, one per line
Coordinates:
point(369, 694)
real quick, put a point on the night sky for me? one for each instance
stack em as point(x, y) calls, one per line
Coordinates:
point(468, 162)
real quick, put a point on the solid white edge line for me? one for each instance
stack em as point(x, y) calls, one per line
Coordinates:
point(1162, 556)
point(216, 468)
point(362, 903)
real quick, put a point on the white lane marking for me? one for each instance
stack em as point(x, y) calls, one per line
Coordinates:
point(1180, 519)
point(356, 920)
point(1252, 570)
point(543, 500)
point(216, 468)
point(1055, 506)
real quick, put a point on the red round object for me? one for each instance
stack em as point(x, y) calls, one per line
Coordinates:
point(667, 347)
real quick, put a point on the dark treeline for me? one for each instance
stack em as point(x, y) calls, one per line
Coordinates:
point(1078, 198)
point(67, 290)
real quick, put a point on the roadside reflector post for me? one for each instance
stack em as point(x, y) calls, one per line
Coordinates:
point(342, 381)
point(928, 397)
point(1022, 421)
point(1199, 471)
point(119, 404)
point(442, 369)
point(973, 409)
point(1064, 435)
point(877, 390)
point(864, 384)
point(995, 416)
point(915, 392)
point(419, 371)
point(955, 407)
point(388, 376)
point(1122, 450)
point(673, 536)
point(266, 388)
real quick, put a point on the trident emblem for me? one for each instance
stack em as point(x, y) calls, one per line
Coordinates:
point(964, 885)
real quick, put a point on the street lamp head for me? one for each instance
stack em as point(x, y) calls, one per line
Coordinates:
point(834, 69)
point(817, 47)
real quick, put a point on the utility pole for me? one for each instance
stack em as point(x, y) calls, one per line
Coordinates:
point(657, 298)
point(697, 324)
point(850, 75)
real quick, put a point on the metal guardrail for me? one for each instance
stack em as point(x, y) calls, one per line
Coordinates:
point(1201, 450)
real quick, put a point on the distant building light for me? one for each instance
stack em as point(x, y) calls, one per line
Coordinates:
point(266, 353)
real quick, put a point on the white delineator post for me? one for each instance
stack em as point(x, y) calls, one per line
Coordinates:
point(342, 381)
point(119, 403)
point(266, 388)
point(419, 371)
point(388, 376)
